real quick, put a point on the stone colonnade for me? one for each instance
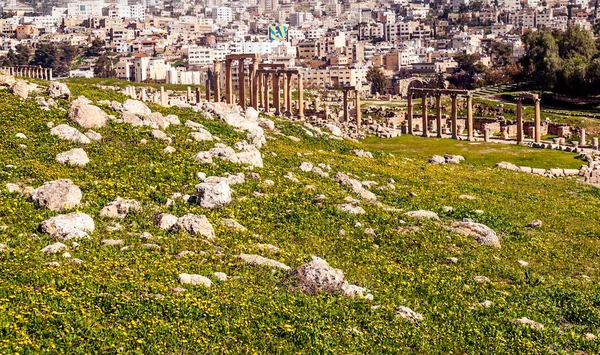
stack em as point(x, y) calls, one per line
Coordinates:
point(34, 72)
point(259, 77)
point(281, 80)
point(438, 93)
point(536, 117)
point(346, 90)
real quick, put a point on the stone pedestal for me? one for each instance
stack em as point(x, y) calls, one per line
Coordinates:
point(537, 118)
point(582, 138)
point(409, 112)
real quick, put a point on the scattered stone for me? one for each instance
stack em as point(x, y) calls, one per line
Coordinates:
point(66, 132)
point(52, 264)
point(87, 115)
point(68, 226)
point(486, 304)
point(589, 336)
point(211, 195)
point(58, 90)
point(196, 225)
point(169, 150)
point(192, 279)
point(317, 276)
point(93, 135)
point(306, 167)
point(165, 221)
point(136, 107)
point(447, 209)
point(483, 234)
point(453, 159)
point(21, 135)
point(536, 223)
point(54, 248)
point(151, 246)
point(203, 158)
point(481, 279)
point(233, 224)
point(437, 159)
point(268, 247)
point(523, 263)
point(409, 314)
point(221, 276)
point(452, 260)
point(349, 208)
point(253, 259)
point(529, 323)
point(57, 195)
point(158, 134)
point(111, 242)
point(184, 253)
point(178, 290)
point(361, 153)
point(146, 236)
point(119, 208)
point(478, 212)
point(21, 88)
point(422, 214)
point(73, 157)
point(466, 197)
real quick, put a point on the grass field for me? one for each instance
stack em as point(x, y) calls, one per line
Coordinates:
point(103, 305)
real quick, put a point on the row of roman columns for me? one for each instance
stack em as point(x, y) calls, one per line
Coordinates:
point(346, 90)
point(29, 72)
point(260, 81)
point(424, 93)
point(536, 117)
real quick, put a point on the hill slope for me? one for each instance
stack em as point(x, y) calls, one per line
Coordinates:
point(122, 300)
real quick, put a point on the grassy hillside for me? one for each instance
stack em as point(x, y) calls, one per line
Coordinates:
point(105, 305)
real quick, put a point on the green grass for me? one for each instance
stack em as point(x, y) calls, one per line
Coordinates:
point(475, 153)
point(100, 306)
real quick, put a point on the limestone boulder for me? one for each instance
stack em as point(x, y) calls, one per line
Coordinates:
point(253, 259)
point(119, 208)
point(21, 88)
point(165, 221)
point(213, 195)
point(194, 280)
point(422, 214)
point(196, 225)
point(483, 234)
point(136, 107)
point(318, 276)
point(437, 159)
point(73, 157)
point(87, 115)
point(409, 314)
point(57, 195)
point(66, 132)
point(203, 157)
point(54, 248)
point(58, 90)
point(68, 226)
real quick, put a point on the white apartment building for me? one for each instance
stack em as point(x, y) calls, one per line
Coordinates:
point(198, 55)
point(85, 9)
point(222, 14)
point(335, 77)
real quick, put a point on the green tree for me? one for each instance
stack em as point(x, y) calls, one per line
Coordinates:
point(95, 49)
point(378, 80)
point(500, 53)
point(23, 54)
point(46, 56)
point(467, 72)
point(104, 68)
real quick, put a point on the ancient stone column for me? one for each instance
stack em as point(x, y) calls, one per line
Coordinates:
point(288, 92)
point(228, 82)
point(242, 83)
point(189, 95)
point(438, 114)
point(345, 104)
point(276, 94)
point(486, 135)
point(358, 112)
point(133, 93)
point(143, 95)
point(425, 120)
point(259, 90)
point(266, 91)
point(300, 97)
point(538, 124)
point(207, 89)
point(217, 80)
point(595, 143)
point(163, 96)
point(453, 116)
point(519, 115)
point(254, 85)
point(198, 96)
point(409, 112)
point(285, 96)
point(469, 117)
point(582, 137)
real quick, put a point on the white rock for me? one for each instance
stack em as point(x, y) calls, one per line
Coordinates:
point(87, 115)
point(422, 214)
point(136, 107)
point(158, 134)
point(483, 234)
point(58, 90)
point(21, 135)
point(529, 323)
point(233, 224)
point(211, 195)
point(57, 195)
point(253, 259)
point(165, 221)
point(306, 166)
point(349, 208)
point(221, 276)
point(196, 225)
point(409, 314)
point(68, 226)
point(54, 248)
point(193, 279)
point(111, 242)
point(119, 208)
point(73, 157)
point(169, 150)
point(69, 133)
point(93, 135)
